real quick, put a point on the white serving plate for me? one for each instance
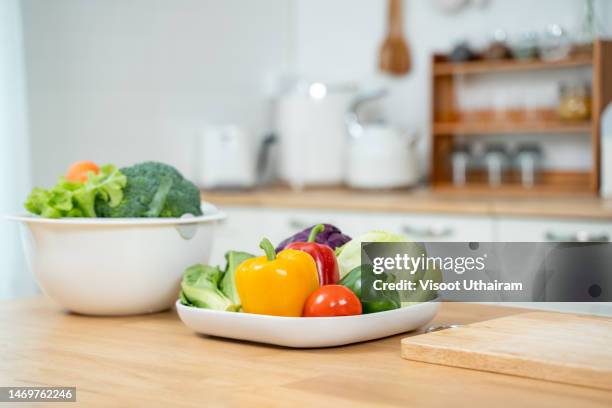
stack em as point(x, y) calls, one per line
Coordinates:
point(116, 266)
point(307, 332)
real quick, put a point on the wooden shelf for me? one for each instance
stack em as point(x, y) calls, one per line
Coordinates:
point(549, 181)
point(481, 66)
point(509, 127)
point(449, 121)
point(514, 190)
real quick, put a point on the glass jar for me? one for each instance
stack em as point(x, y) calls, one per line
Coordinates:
point(574, 101)
point(526, 46)
point(498, 48)
point(496, 161)
point(460, 158)
point(529, 158)
point(554, 43)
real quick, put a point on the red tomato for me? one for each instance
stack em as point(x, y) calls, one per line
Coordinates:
point(332, 300)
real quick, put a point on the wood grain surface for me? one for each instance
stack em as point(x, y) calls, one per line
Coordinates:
point(419, 201)
point(155, 361)
point(550, 346)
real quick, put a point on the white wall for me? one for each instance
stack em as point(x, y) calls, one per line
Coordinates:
point(130, 80)
point(15, 279)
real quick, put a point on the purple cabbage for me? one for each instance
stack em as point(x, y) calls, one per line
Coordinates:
point(330, 236)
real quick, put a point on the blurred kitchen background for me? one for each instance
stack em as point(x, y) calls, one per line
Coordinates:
point(467, 120)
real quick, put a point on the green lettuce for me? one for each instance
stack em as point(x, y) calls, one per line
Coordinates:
point(74, 199)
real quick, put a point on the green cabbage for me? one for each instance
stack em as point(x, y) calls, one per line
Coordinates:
point(74, 199)
point(349, 255)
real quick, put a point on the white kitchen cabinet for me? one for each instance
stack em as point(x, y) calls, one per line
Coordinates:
point(541, 230)
point(418, 227)
point(242, 230)
point(246, 226)
point(433, 227)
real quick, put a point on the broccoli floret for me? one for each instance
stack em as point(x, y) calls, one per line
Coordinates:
point(153, 189)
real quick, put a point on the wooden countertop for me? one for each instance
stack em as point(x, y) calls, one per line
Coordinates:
point(155, 360)
point(419, 201)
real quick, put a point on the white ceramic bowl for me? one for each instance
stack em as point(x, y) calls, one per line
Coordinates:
point(116, 266)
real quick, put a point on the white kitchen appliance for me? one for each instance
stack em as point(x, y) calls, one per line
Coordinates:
point(312, 134)
point(227, 157)
point(380, 156)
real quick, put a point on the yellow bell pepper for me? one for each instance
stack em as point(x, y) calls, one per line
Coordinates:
point(276, 284)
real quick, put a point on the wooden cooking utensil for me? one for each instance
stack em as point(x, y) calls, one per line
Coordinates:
point(394, 54)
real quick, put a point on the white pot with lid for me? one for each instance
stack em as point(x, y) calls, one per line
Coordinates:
point(380, 156)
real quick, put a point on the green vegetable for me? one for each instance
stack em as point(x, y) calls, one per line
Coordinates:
point(74, 199)
point(228, 283)
point(153, 189)
point(420, 295)
point(159, 199)
point(211, 288)
point(352, 280)
point(199, 288)
point(349, 255)
point(372, 301)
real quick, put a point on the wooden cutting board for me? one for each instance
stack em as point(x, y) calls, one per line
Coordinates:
point(548, 346)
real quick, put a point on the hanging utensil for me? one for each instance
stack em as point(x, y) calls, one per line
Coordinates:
point(394, 53)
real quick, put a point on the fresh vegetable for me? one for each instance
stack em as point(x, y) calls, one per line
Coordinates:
point(212, 288)
point(330, 236)
point(228, 282)
point(153, 190)
point(276, 284)
point(76, 199)
point(199, 288)
point(332, 300)
point(349, 255)
point(372, 301)
point(323, 256)
point(420, 295)
point(79, 171)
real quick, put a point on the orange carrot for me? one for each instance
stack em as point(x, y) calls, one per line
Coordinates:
point(78, 171)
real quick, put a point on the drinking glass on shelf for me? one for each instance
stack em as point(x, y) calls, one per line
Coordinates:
point(496, 161)
point(500, 106)
point(555, 44)
point(525, 47)
point(529, 158)
point(460, 158)
point(531, 106)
